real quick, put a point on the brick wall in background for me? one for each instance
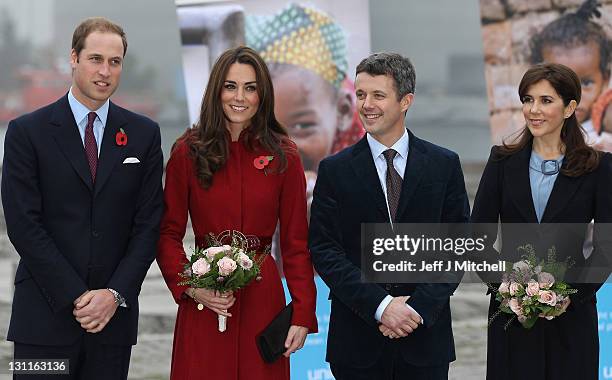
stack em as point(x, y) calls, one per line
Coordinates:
point(507, 27)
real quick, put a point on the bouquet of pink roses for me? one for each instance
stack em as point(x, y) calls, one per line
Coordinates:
point(532, 289)
point(223, 267)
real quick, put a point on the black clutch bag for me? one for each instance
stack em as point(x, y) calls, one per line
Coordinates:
point(271, 341)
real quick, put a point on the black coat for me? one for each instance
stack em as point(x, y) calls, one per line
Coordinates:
point(72, 236)
point(348, 193)
point(566, 347)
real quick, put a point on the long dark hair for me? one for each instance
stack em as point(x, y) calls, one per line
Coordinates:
point(208, 139)
point(579, 157)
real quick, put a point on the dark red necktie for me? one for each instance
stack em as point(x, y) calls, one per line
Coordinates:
point(91, 148)
point(394, 183)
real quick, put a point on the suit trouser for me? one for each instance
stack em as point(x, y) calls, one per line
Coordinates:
point(390, 366)
point(89, 360)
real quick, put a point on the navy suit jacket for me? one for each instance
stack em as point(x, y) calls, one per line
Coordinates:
point(72, 235)
point(348, 193)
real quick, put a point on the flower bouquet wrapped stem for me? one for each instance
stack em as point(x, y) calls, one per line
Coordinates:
point(222, 267)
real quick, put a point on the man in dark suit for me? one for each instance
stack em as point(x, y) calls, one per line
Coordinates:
point(384, 331)
point(82, 197)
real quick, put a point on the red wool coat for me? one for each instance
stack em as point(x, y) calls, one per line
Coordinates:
point(245, 199)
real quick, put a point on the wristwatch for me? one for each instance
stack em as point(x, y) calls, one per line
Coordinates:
point(119, 300)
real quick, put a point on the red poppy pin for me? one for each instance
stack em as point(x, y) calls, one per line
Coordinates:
point(121, 137)
point(261, 162)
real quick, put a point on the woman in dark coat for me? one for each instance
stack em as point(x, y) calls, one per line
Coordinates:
point(549, 175)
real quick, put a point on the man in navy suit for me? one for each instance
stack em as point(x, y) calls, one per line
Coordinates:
point(384, 331)
point(82, 197)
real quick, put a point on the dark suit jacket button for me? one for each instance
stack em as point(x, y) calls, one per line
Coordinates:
point(95, 234)
point(388, 287)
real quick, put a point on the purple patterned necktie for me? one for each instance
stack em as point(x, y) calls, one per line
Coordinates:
point(91, 148)
point(394, 183)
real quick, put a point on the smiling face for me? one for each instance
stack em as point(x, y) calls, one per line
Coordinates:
point(544, 110)
point(584, 61)
point(239, 96)
point(96, 71)
point(380, 111)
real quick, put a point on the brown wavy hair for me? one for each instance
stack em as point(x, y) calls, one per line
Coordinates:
point(579, 157)
point(208, 139)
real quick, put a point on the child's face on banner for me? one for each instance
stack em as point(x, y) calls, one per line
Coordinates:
point(305, 104)
point(584, 60)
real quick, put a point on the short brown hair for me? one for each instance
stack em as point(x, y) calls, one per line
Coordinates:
point(96, 24)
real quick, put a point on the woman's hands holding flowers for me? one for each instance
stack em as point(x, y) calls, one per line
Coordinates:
point(219, 302)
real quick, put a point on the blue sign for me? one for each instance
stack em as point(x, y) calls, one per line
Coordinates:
point(309, 362)
point(604, 311)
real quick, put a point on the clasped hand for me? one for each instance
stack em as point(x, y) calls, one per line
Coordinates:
point(397, 320)
point(94, 309)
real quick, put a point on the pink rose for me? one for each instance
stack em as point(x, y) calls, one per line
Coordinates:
point(504, 287)
point(533, 288)
point(244, 261)
point(515, 306)
point(521, 266)
point(548, 297)
point(213, 251)
point(522, 318)
point(200, 267)
point(515, 287)
point(546, 280)
point(226, 266)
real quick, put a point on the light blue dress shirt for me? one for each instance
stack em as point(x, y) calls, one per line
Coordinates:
point(401, 146)
point(79, 111)
point(541, 184)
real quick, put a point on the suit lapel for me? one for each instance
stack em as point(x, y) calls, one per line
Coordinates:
point(563, 190)
point(415, 165)
point(67, 137)
point(517, 184)
point(364, 168)
point(110, 152)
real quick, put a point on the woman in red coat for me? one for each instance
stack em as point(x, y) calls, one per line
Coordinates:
point(214, 175)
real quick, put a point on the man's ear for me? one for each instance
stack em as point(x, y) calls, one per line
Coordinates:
point(345, 107)
point(74, 58)
point(406, 101)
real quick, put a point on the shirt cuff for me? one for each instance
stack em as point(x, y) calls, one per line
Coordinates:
point(381, 308)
